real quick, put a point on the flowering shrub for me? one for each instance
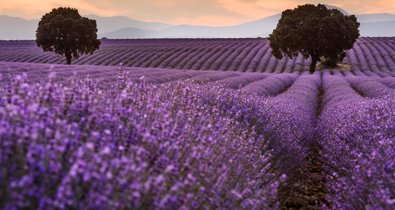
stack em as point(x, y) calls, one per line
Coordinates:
point(357, 137)
point(132, 145)
point(86, 137)
point(291, 121)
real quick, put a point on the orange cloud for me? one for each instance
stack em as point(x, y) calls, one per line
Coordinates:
point(255, 9)
point(35, 9)
point(213, 20)
point(199, 12)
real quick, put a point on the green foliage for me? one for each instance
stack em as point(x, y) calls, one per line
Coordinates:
point(331, 61)
point(314, 31)
point(65, 32)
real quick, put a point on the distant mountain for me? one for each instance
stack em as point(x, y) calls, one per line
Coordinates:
point(264, 25)
point(371, 25)
point(262, 28)
point(119, 27)
point(385, 28)
point(110, 24)
point(130, 33)
point(17, 28)
point(381, 17)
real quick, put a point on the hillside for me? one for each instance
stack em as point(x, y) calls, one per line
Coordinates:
point(140, 117)
point(244, 55)
point(287, 135)
point(123, 27)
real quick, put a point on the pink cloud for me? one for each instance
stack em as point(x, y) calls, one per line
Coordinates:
point(199, 12)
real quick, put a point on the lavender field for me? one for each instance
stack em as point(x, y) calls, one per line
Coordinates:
point(369, 56)
point(196, 124)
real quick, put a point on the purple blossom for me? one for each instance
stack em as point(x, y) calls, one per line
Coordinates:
point(86, 146)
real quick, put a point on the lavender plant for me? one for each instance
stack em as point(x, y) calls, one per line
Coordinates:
point(91, 145)
point(358, 148)
point(102, 137)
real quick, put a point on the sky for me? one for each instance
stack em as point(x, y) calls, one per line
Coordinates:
point(194, 12)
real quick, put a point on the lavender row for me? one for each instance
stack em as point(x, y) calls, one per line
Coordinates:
point(40, 72)
point(290, 117)
point(136, 145)
point(128, 146)
point(359, 159)
point(368, 57)
point(357, 138)
point(240, 81)
point(338, 90)
point(272, 85)
point(388, 81)
point(369, 87)
point(356, 134)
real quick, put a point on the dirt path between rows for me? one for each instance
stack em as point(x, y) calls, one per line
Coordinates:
point(305, 187)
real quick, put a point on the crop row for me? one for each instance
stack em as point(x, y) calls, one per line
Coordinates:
point(185, 143)
point(262, 84)
point(368, 57)
point(132, 146)
point(357, 135)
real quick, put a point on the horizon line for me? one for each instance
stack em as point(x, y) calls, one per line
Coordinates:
point(181, 24)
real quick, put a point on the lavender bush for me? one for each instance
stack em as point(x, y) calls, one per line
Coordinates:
point(291, 119)
point(358, 148)
point(102, 137)
point(87, 145)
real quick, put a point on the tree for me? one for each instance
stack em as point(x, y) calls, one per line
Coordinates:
point(314, 31)
point(65, 32)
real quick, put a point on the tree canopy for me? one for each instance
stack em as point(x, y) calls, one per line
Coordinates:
point(314, 31)
point(65, 32)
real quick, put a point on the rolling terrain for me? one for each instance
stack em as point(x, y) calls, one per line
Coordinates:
point(168, 124)
point(369, 56)
point(119, 27)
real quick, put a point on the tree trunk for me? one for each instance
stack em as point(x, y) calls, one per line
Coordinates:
point(314, 60)
point(68, 57)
